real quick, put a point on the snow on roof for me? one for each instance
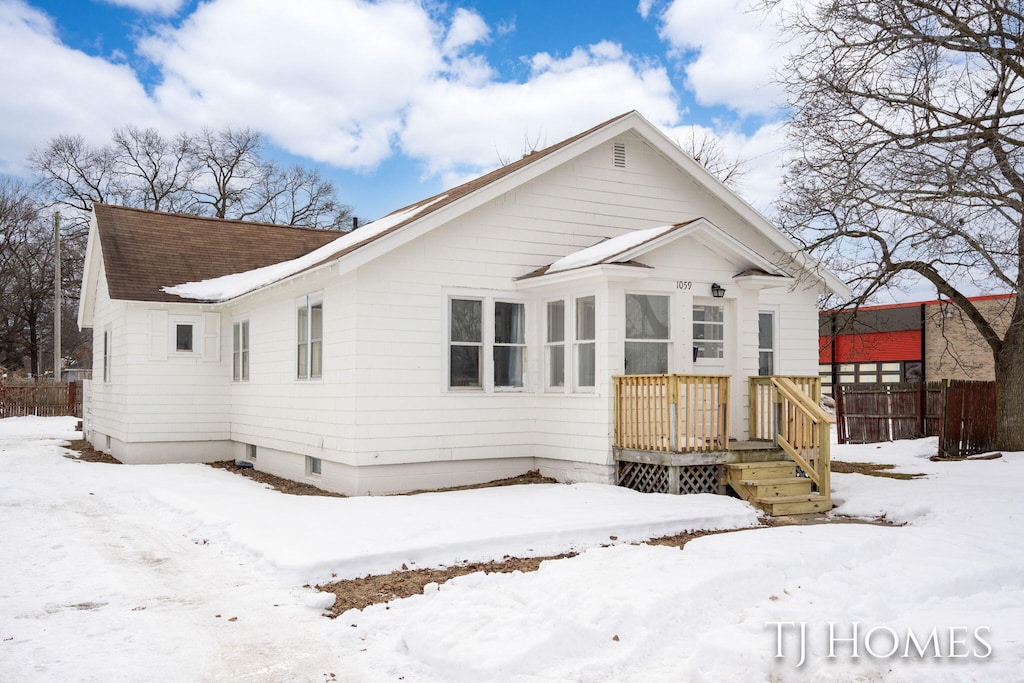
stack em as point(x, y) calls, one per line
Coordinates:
point(234, 285)
point(602, 251)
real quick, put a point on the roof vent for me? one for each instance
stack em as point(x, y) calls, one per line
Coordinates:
point(619, 155)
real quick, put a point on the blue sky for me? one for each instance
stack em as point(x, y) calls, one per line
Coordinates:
point(392, 100)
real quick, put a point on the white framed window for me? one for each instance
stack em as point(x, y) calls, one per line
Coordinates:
point(509, 344)
point(708, 331)
point(465, 343)
point(250, 452)
point(240, 351)
point(314, 466)
point(184, 337)
point(647, 334)
point(107, 343)
point(309, 337)
point(554, 345)
point(584, 341)
point(765, 343)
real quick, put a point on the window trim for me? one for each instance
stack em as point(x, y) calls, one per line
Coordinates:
point(550, 345)
point(774, 340)
point(479, 345)
point(487, 300)
point(579, 342)
point(304, 306)
point(240, 340)
point(495, 345)
point(706, 360)
point(667, 341)
point(314, 466)
point(108, 343)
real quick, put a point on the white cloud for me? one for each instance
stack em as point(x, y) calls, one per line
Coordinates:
point(343, 82)
point(644, 7)
point(467, 28)
point(51, 89)
point(452, 125)
point(160, 7)
point(763, 155)
point(731, 52)
point(324, 79)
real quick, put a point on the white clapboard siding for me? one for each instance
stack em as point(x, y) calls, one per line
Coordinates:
point(383, 399)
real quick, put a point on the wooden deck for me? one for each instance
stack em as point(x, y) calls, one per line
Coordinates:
point(671, 438)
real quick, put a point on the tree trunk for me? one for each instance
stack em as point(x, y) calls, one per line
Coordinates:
point(1010, 390)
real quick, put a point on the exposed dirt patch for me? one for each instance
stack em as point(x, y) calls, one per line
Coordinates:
point(370, 590)
point(871, 469)
point(89, 454)
point(281, 484)
point(374, 589)
point(531, 477)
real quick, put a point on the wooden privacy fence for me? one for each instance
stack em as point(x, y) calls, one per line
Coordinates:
point(968, 418)
point(677, 413)
point(960, 412)
point(870, 413)
point(44, 400)
point(763, 399)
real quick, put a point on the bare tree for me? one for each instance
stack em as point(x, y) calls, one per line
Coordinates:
point(706, 149)
point(26, 279)
point(301, 196)
point(908, 120)
point(232, 172)
point(219, 173)
point(152, 172)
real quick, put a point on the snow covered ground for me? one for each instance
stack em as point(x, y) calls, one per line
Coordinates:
point(183, 572)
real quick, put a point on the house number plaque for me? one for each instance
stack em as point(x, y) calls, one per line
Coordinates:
point(684, 284)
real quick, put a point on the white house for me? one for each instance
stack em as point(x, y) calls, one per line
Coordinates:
point(472, 336)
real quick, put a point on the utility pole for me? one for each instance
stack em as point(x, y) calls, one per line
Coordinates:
point(57, 360)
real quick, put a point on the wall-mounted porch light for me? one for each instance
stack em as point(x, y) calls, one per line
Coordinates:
point(717, 290)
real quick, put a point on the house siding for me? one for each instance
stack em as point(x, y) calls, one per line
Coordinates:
point(382, 417)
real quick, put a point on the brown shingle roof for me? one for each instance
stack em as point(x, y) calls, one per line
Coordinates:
point(146, 250)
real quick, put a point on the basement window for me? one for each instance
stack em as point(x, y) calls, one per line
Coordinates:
point(314, 466)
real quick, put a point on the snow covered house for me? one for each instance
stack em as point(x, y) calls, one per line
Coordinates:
point(594, 310)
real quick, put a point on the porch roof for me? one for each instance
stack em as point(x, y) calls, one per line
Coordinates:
point(624, 249)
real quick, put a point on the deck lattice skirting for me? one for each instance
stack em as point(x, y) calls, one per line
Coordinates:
point(674, 479)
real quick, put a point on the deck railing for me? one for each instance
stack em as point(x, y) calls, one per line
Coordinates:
point(672, 413)
point(803, 431)
point(763, 402)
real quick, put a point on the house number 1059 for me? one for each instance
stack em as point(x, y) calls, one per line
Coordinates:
point(684, 284)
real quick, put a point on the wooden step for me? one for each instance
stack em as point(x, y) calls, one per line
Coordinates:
point(746, 471)
point(783, 486)
point(794, 505)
